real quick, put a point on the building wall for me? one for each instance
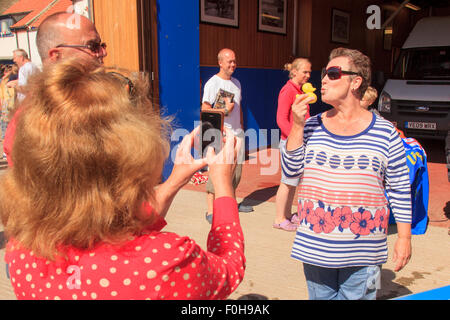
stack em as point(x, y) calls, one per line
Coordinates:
point(116, 22)
point(7, 45)
point(253, 48)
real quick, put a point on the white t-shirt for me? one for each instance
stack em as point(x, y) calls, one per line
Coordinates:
point(212, 86)
point(24, 73)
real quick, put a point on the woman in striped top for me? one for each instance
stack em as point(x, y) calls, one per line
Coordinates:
point(347, 158)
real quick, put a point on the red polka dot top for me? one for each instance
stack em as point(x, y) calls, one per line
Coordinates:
point(156, 265)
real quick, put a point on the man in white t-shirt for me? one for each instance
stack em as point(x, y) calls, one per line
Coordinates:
point(26, 69)
point(233, 117)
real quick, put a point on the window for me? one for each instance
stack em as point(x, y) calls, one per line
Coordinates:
point(423, 64)
point(5, 25)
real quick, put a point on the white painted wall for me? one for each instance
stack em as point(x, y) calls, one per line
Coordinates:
point(21, 40)
point(27, 42)
point(7, 45)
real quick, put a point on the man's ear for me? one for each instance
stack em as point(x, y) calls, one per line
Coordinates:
point(54, 54)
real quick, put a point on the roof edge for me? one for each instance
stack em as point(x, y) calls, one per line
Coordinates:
point(48, 7)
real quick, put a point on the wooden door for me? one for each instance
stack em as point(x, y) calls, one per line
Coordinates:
point(148, 44)
point(117, 24)
point(129, 28)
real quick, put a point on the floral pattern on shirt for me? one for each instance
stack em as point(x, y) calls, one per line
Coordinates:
point(361, 222)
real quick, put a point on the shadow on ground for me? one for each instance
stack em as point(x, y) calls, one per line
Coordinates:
point(447, 210)
point(390, 289)
point(259, 196)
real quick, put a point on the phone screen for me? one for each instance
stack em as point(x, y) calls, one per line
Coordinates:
point(211, 124)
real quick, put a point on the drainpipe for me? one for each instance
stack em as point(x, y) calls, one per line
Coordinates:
point(17, 39)
point(28, 40)
point(294, 35)
point(386, 23)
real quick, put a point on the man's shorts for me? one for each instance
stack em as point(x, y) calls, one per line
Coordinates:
point(236, 179)
point(288, 181)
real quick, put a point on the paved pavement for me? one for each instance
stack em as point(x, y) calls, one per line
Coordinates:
point(271, 273)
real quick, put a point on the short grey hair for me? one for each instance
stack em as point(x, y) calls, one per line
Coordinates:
point(359, 63)
point(21, 52)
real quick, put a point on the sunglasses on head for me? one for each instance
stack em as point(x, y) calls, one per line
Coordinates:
point(126, 81)
point(335, 73)
point(94, 47)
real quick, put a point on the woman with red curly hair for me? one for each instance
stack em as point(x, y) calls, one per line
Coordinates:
point(79, 205)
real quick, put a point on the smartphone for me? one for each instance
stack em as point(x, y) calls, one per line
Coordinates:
point(211, 130)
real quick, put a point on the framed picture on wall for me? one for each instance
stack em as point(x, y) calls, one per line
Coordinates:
point(340, 26)
point(221, 12)
point(272, 16)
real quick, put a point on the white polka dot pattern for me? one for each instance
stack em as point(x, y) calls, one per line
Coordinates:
point(157, 265)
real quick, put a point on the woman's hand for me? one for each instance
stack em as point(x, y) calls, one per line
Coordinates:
point(185, 165)
point(402, 253)
point(300, 109)
point(402, 248)
point(222, 165)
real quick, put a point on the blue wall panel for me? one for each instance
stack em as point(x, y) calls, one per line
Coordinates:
point(179, 60)
point(260, 89)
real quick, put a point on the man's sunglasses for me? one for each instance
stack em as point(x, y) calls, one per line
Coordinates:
point(335, 73)
point(94, 47)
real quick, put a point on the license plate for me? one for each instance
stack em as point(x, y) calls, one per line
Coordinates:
point(421, 125)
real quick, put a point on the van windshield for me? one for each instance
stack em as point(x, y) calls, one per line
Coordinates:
point(423, 64)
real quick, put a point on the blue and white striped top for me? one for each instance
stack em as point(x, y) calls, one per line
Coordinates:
point(342, 205)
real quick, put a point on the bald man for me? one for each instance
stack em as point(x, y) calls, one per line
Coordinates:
point(232, 111)
point(67, 35)
point(62, 35)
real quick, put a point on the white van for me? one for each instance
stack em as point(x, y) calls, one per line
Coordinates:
point(417, 97)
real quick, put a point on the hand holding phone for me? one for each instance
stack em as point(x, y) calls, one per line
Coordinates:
point(211, 130)
point(223, 164)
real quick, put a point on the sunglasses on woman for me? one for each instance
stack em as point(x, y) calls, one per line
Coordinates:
point(335, 73)
point(126, 81)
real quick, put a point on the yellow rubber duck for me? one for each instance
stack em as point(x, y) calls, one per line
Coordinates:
point(309, 90)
